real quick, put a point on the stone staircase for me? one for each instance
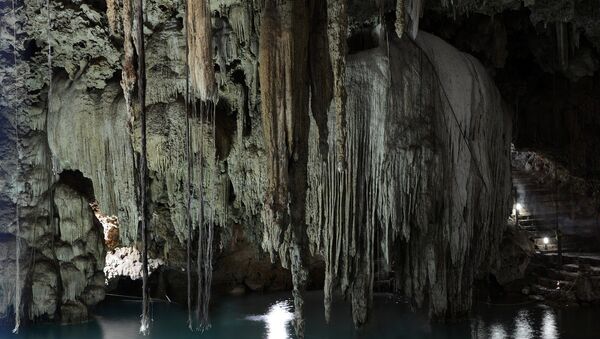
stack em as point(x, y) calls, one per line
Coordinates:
point(572, 276)
point(577, 279)
point(542, 209)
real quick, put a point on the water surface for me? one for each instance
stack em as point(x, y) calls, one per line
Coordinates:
point(269, 316)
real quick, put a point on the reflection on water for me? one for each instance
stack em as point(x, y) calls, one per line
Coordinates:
point(522, 327)
point(497, 332)
point(537, 322)
point(276, 319)
point(549, 325)
point(270, 317)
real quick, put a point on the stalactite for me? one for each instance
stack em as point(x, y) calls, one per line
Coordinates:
point(17, 303)
point(128, 74)
point(337, 17)
point(200, 53)
point(400, 20)
point(111, 15)
point(321, 74)
point(562, 44)
point(283, 68)
point(143, 175)
point(408, 15)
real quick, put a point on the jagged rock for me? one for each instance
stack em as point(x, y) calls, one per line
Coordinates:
point(515, 254)
point(73, 312)
point(44, 290)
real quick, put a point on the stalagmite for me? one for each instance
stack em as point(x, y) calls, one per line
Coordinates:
point(17, 303)
point(143, 175)
point(337, 32)
point(200, 55)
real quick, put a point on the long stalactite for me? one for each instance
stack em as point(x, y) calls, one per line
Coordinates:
point(283, 68)
point(337, 15)
point(200, 50)
point(128, 73)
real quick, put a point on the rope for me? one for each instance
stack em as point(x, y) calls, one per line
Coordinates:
point(17, 212)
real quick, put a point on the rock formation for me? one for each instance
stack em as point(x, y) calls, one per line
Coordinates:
point(389, 156)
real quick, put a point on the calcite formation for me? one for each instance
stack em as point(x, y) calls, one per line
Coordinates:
point(417, 128)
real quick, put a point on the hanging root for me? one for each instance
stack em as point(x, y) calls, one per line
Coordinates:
point(17, 304)
point(143, 164)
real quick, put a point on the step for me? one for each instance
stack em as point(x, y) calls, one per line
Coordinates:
point(553, 293)
point(561, 275)
point(575, 268)
point(592, 259)
point(553, 283)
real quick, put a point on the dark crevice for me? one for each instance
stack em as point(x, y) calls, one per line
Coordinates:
point(75, 180)
point(362, 40)
point(225, 124)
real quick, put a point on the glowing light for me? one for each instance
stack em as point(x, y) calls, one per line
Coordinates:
point(276, 320)
point(517, 208)
point(546, 240)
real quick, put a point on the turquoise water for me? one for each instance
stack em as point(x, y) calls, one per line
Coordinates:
point(269, 316)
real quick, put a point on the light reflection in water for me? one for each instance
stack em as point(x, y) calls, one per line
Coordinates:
point(549, 330)
point(497, 332)
point(276, 320)
point(522, 326)
point(525, 324)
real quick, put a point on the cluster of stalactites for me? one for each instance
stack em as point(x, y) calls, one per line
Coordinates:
point(393, 208)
